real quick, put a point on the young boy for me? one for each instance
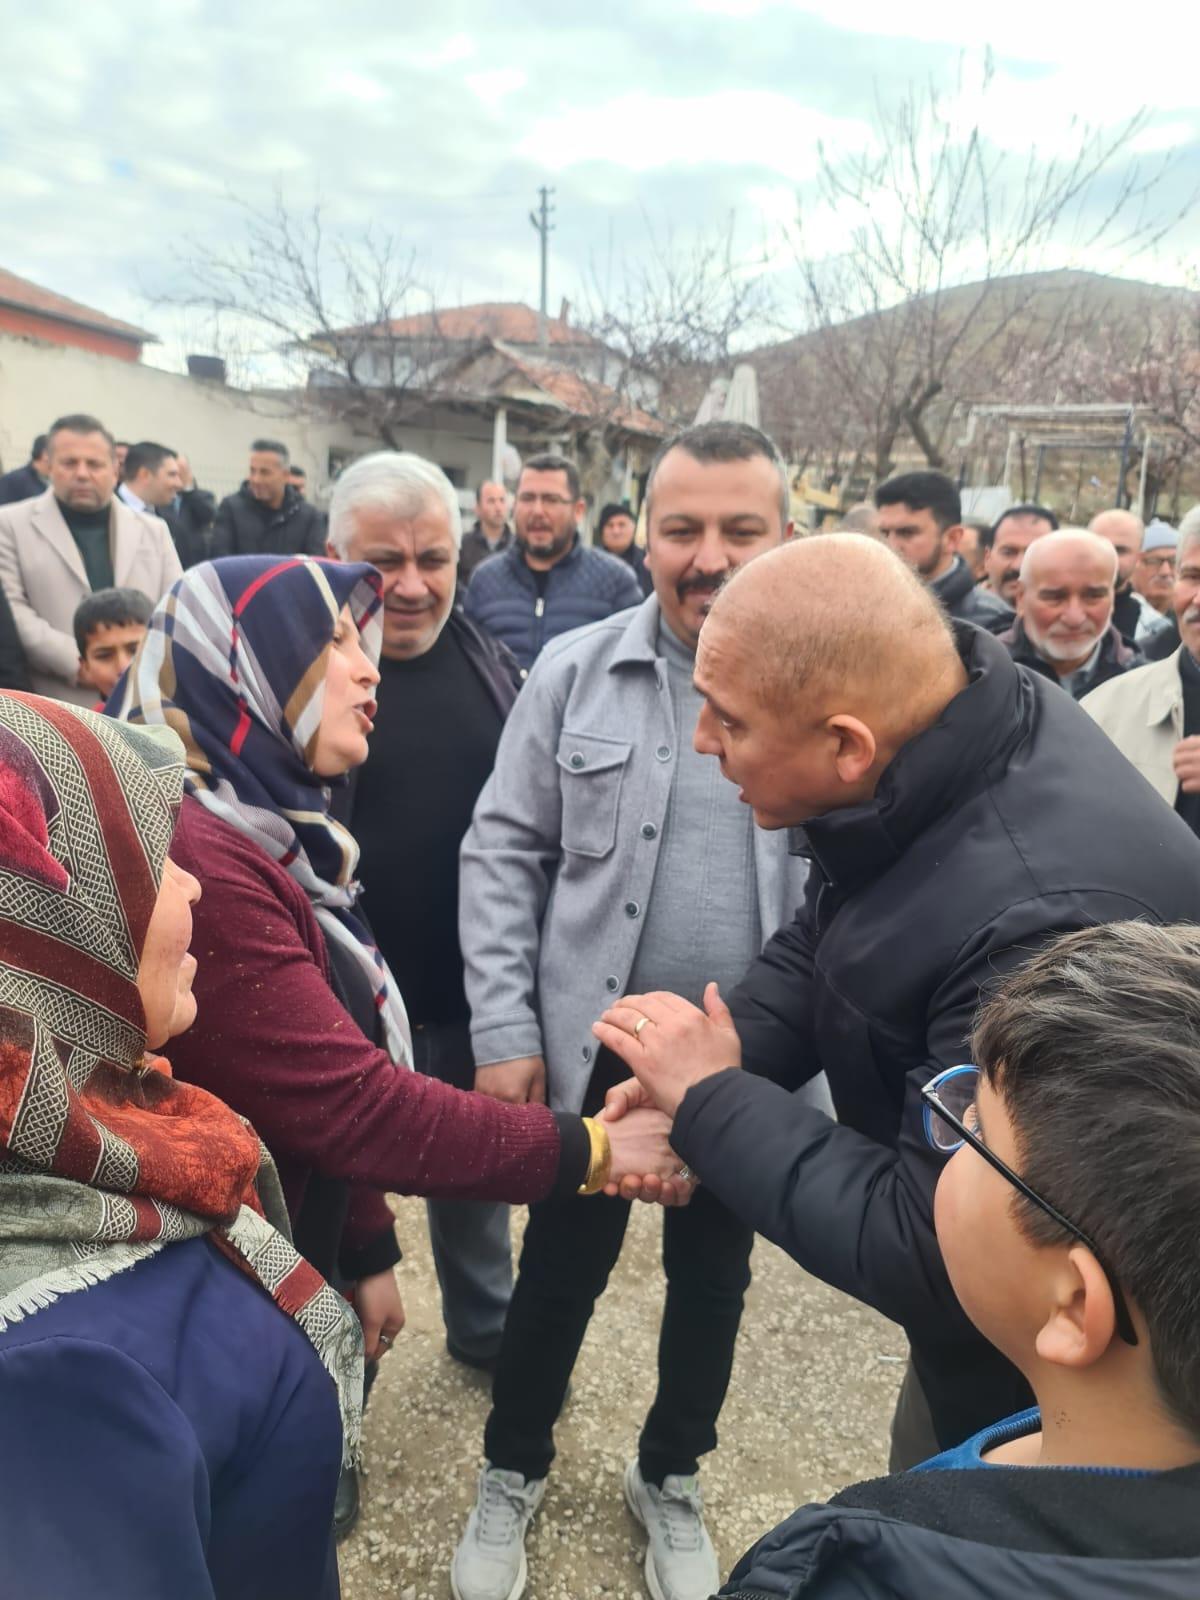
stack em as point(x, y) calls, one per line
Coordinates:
point(1068, 1222)
point(109, 626)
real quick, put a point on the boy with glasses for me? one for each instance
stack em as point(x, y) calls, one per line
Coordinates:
point(1067, 1219)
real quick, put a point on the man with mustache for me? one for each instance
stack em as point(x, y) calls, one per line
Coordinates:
point(1012, 534)
point(605, 854)
point(1153, 717)
point(444, 692)
point(1064, 627)
point(548, 582)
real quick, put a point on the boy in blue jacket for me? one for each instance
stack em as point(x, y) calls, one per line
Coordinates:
point(1068, 1220)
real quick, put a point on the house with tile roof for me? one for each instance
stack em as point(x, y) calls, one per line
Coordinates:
point(29, 311)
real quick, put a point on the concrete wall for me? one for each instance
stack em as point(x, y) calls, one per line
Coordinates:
point(212, 424)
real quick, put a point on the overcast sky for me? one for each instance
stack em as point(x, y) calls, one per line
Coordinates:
point(125, 129)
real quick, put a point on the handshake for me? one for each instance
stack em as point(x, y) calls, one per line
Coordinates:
point(669, 1045)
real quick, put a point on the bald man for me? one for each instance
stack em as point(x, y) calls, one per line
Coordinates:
point(1064, 628)
point(490, 536)
point(1134, 618)
point(957, 812)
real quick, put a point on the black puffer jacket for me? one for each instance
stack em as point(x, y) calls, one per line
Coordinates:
point(967, 602)
point(1007, 822)
point(246, 527)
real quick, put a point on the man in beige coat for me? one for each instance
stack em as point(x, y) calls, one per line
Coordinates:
point(1153, 715)
point(65, 544)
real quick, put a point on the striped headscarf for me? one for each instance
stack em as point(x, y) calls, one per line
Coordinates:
point(235, 661)
point(105, 1159)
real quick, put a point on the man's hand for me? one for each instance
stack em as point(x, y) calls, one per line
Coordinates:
point(1187, 764)
point(676, 1190)
point(644, 1167)
point(678, 1046)
point(381, 1312)
point(518, 1082)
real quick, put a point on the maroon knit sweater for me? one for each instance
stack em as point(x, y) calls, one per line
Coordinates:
point(272, 1039)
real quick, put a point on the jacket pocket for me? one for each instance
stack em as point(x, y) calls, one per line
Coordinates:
point(590, 771)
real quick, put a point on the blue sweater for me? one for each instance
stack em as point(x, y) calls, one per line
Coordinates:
point(585, 586)
point(169, 1432)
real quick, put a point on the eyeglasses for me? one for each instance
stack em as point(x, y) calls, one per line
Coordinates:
point(950, 1105)
point(552, 502)
point(1151, 558)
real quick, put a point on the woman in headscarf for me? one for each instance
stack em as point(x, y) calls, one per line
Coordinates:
point(166, 1424)
point(265, 667)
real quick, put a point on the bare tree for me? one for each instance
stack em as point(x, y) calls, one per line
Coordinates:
point(936, 295)
point(288, 292)
point(676, 315)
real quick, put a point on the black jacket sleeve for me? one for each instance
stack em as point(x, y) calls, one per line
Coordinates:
point(773, 1007)
point(222, 541)
point(14, 671)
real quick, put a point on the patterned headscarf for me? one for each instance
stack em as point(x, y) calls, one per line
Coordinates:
point(105, 1158)
point(235, 661)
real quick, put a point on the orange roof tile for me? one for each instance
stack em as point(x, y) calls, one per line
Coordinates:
point(15, 291)
point(492, 319)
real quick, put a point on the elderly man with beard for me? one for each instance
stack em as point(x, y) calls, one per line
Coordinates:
point(605, 853)
point(1064, 628)
point(444, 692)
point(548, 582)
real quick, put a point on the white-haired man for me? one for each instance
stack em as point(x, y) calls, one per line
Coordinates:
point(1153, 716)
point(1064, 628)
point(445, 691)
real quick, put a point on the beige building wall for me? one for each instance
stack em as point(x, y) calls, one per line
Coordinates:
point(210, 423)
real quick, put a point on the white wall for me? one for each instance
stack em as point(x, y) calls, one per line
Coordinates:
point(213, 425)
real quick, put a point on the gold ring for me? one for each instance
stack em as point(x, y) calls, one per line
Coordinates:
point(642, 1022)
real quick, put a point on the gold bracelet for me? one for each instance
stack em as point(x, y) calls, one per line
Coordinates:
point(600, 1160)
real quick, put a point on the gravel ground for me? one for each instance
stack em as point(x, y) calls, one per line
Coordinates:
point(813, 1388)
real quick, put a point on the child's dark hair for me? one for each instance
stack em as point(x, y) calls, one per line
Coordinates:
point(1094, 1048)
point(109, 608)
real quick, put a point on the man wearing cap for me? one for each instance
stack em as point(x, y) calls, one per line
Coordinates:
point(1153, 715)
point(615, 531)
point(1154, 574)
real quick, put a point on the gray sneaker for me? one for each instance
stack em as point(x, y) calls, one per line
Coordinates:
point(489, 1563)
point(681, 1563)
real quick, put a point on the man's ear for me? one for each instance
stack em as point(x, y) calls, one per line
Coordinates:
point(331, 552)
point(1020, 599)
point(856, 747)
point(85, 676)
point(1082, 1320)
point(953, 537)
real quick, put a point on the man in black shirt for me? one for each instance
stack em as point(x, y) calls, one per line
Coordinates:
point(445, 690)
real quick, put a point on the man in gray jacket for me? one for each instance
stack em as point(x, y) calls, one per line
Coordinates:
point(604, 854)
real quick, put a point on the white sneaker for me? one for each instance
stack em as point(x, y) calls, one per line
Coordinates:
point(489, 1563)
point(681, 1563)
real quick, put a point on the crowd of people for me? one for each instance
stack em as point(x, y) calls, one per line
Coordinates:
point(779, 881)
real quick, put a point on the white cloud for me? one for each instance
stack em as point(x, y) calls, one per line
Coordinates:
point(494, 85)
point(731, 127)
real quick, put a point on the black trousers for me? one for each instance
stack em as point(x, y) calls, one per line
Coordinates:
point(571, 1246)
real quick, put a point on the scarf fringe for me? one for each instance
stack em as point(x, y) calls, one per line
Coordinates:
point(38, 1293)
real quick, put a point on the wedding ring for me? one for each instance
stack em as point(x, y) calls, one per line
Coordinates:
point(386, 1340)
point(642, 1022)
point(685, 1173)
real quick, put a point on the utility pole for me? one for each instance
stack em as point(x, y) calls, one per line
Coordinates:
point(543, 227)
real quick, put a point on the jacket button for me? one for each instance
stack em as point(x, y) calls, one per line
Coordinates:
point(663, 752)
point(612, 983)
point(576, 760)
point(587, 1052)
point(632, 908)
point(649, 831)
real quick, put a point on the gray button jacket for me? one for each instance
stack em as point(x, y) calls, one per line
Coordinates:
point(559, 860)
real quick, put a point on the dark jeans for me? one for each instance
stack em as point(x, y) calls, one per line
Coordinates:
point(570, 1248)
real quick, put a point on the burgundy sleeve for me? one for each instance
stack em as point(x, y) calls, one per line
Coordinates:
point(272, 1039)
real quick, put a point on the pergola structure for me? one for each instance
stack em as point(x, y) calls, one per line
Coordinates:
point(1128, 431)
